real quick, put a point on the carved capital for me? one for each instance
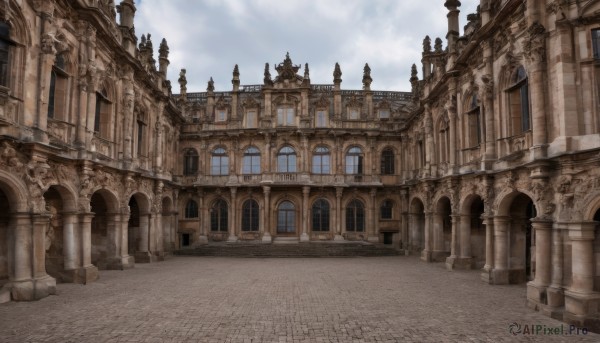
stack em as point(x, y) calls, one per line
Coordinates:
point(534, 45)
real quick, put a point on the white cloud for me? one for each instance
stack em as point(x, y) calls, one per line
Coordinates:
point(209, 37)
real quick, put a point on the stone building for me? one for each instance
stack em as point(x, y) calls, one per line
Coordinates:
point(88, 128)
point(490, 162)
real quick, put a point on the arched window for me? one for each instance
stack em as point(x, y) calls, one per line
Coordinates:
point(387, 162)
point(474, 122)
point(355, 216)
point(190, 162)
point(218, 216)
point(321, 161)
point(320, 215)
point(354, 161)
point(286, 160)
point(57, 97)
point(250, 216)
point(387, 208)
point(518, 102)
point(191, 209)
point(286, 218)
point(251, 161)
point(5, 44)
point(219, 162)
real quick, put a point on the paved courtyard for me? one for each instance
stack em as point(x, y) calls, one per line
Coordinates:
point(206, 299)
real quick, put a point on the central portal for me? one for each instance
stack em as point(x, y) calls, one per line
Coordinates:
point(286, 218)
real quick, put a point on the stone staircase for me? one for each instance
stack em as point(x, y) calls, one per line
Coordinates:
point(313, 249)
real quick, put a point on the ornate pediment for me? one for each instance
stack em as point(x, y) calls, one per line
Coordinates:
point(287, 70)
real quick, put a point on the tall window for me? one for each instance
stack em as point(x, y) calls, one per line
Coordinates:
point(321, 161)
point(251, 119)
point(353, 114)
point(190, 162)
point(250, 216)
point(219, 163)
point(251, 161)
point(286, 218)
point(474, 122)
point(320, 215)
point(57, 97)
point(141, 126)
point(321, 118)
point(387, 208)
point(384, 113)
point(285, 116)
point(191, 209)
point(286, 160)
point(518, 98)
point(355, 216)
point(354, 161)
point(221, 115)
point(4, 53)
point(218, 216)
point(102, 114)
point(596, 43)
point(387, 162)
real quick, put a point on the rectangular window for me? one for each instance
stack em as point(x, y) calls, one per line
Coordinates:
point(4, 46)
point(353, 114)
point(596, 43)
point(285, 116)
point(140, 138)
point(321, 115)
point(524, 93)
point(251, 122)
point(221, 115)
point(384, 114)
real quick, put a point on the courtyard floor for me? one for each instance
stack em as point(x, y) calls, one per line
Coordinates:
point(208, 299)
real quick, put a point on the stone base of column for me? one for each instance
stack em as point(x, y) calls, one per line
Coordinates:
point(232, 239)
point(373, 239)
point(159, 256)
point(202, 240)
point(486, 276)
point(81, 275)
point(536, 296)
point(581, 310)
point(487, 163)
point(143, 257)
point(556, 297)
point(4, 294)
point(121, 263)
point(338, 238)
point(454, 262)
point(266, 238)
point(22, 290)
point(538, 152)
point(304, 238)
point(44, 286)
point(426, 256)
point(439, 256)
point(499, 276)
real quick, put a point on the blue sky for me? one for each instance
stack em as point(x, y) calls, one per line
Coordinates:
point(208, 37)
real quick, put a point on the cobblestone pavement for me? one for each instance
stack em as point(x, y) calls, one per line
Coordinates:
point(206, 299)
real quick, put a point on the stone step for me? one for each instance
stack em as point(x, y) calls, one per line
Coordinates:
point(291, 250)
point(4, 295)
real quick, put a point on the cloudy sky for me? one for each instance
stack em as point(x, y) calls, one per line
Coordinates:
point(208, 37)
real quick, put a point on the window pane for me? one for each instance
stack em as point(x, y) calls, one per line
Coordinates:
point(282, 164)
point(596, 43)
point(280, 116)
point(326, 165)
point(292, 164)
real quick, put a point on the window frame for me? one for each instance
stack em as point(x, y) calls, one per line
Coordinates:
point(251, 155)
point(190, 162)
point(289, 215)
point(5, 49)
point(321, 154)
point(386, 210)
point(250, 216)
point(222, 167)
point(252, 121)
point(221, 115)
point(287, 155)
point(191, 209)
point(355, 216)
point(321, 118)
point(595, 34)
point(357, 159)
point(518, 100)
point(219, 216)
point(321, 216)
point(286, 115)
point(388, 167)
point(474, 122)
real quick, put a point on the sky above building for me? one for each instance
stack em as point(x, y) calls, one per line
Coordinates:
point(208, 37)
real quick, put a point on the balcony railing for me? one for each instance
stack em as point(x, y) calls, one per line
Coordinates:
point(286, 177)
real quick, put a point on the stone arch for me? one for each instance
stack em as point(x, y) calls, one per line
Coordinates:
point(416, 226)
point(60, 245)
point(138, 227)
point(104, 228)
point(442, 229)
point(12, 194)
point(515, 211)
point(15, 191)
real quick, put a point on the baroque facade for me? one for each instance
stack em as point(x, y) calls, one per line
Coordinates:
point(491, 162)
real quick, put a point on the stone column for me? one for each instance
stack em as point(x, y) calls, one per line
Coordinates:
point(71, 257)
point(19, 246)
point(404, 220)
point(82, 107)
point(85, 222)
point(305, 218)
point(44, 284)
point(501, 228)
point(451, 108)
point(159, 146)
point(486, 274)
point(580, 298)
point(126, 260)
point(339, 191)
point(128, 113)
point(455, 259)
point(266, 238)
point(536, 289)
point(202, 219)
point(142, 255)
point(534, 48)
point(555, 294)
point(232, 223)
point(487, 99)
point(373, 233)
point(426, 253)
